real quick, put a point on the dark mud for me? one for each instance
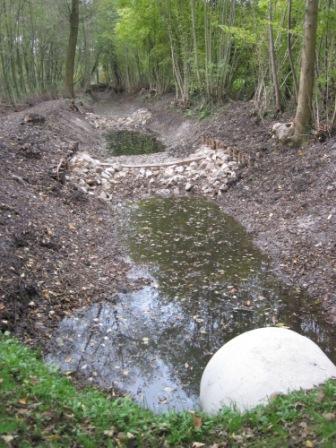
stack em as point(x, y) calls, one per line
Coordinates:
point(53, 237)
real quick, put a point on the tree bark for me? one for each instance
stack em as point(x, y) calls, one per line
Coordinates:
point(273, 61)
point(194, 35)
point(303, 117)
point(289, 48)
point(71, 53)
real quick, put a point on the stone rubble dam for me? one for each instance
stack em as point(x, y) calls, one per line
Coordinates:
point(206, 283)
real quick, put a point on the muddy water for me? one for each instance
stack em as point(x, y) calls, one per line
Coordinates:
point(206, 284)
point(132, 143)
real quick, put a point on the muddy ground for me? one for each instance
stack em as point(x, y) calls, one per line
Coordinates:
point(59, 248)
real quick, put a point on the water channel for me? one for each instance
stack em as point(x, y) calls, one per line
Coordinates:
point(206, 283)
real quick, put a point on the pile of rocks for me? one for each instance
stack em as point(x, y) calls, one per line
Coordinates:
point(207, 172)
point(137, 119)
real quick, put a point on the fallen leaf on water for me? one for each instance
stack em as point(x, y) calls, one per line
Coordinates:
point(168, 389)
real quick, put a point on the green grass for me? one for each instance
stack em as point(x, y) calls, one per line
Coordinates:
point(40, 407)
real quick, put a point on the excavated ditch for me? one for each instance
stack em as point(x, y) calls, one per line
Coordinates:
point(205, 283)
point(60, 251)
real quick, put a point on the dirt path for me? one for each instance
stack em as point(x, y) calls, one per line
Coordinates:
point(59, 248)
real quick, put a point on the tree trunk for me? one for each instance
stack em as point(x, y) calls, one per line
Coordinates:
point(71, 53)
point(289, 48)
point(303, 115)
point(273, 61)
point(194, 35)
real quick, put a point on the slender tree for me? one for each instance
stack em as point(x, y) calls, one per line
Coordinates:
point(71, 52)
point(194, 36)
point(303, 117)
point(273, 61)
point(289, 49)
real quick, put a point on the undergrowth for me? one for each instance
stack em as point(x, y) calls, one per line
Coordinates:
point(40, 407)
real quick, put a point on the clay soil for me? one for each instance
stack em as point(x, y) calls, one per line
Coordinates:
point(59, 248)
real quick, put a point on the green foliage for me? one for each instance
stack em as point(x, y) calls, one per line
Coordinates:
point(240, 35)
point(33, 42)
point(40, 407)
point(210, 50)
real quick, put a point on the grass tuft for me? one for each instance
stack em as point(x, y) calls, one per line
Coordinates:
point(40, 407)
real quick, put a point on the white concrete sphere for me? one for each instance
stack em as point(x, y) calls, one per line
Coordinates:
point(255, 365)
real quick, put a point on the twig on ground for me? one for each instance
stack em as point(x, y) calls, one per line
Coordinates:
point(19, 179)
point(157, 165)
point(59, 167)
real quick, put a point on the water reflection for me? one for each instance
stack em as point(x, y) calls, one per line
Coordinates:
point(209, 283)
point(204, 259)
point(132, 143)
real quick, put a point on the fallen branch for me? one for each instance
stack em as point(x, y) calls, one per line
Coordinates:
point(156, 165)
point(59, 167)
point(64, 162)
point(13, 106)
point(19, 179)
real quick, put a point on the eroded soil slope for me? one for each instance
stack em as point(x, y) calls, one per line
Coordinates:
point(288, 202)
point(57, 246)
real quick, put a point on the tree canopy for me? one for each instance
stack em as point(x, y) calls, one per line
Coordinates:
point(208, 49)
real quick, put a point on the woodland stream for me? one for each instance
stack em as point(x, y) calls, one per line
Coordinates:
point(205, 283)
